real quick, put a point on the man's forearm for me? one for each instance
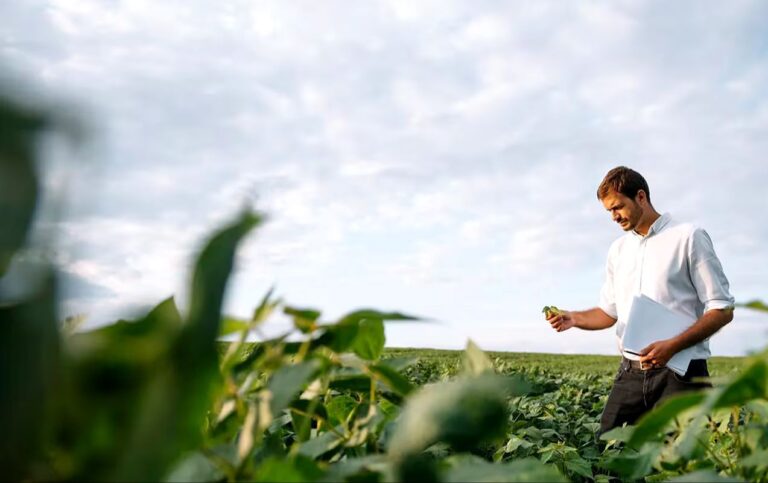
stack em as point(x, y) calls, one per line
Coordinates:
point(706, 326)
point(592, 319)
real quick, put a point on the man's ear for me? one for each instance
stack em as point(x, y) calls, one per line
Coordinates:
point(641, 196)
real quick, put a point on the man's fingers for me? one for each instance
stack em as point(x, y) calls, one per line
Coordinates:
point(558, 322)
point(649, 357)
point(648, 349)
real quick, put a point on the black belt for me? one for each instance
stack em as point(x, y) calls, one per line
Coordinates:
point(645, 367)
point(638, 365)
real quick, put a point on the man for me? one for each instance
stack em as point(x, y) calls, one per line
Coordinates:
point(671, 262)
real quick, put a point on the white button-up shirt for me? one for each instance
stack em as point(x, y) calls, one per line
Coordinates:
point(674, 264)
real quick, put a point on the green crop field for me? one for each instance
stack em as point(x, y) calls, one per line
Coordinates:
point(565, 363)
point(160, 398)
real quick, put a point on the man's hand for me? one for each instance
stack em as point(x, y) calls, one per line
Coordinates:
point(658, 353)
point(562, 320)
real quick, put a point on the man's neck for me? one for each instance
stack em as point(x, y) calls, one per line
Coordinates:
point(645, 224)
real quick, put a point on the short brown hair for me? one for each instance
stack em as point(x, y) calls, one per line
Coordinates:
point(625, 181)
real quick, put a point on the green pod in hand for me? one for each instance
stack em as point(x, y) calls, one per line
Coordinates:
point(550, 311)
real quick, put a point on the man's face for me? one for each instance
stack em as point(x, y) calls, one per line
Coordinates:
point(624, 210)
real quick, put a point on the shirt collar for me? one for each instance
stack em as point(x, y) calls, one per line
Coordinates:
point(656, 227)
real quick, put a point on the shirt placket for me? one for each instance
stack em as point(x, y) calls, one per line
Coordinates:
point(641, 264)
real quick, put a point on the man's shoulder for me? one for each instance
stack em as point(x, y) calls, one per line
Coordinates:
point(683, 229)
point(689, 235)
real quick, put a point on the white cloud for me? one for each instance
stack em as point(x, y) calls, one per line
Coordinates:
point(406, 152)
point(424, 266)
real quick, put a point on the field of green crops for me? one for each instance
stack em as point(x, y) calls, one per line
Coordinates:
point(555, 363)
point(160, 398)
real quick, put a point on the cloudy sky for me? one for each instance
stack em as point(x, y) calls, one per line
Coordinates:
point(435, 157)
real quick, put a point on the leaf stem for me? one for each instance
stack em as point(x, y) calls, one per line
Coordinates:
point(713, 455)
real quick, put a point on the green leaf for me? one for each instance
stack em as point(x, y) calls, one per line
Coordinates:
point(372, 468)
point(303, 319)
point(295, 469)
point(173, 408)
point(755, 305)
point(579, 466)
point(209, 284)
point(370, 339)
point(461, 413)
point(632, 464)
point(114, 377)
point(20, 129)
point(475, 360)
point(265, 307)
point(622, 434)
point(516, 385)
point(471, 468)
point(651, 425)
point(242, 359)
point(302, 413)
point(416, 467)
point(309, 314)
point(195, 468)
point(302, 425)
point(514, 443)
point(703, 476)
point(396, 381)
point(231, 325)
point(339, 337)
point(593, 428)
point(350, 382)
point(313, 407)
point(359, 331)
point(758, 458)
point(235, 357)
point(287, 383)
point(132, 340)
point(322, 444)
point(749, 385)
point(375, 314)
point(29, 363)
point(547, 452)
point(339, 408)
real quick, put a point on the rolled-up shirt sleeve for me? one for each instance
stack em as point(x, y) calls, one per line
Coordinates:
point(607, 293)
point(707, 273)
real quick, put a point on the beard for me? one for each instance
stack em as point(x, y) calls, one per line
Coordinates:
point(631, 222)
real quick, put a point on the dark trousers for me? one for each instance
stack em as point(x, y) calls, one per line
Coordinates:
point(636, 391)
